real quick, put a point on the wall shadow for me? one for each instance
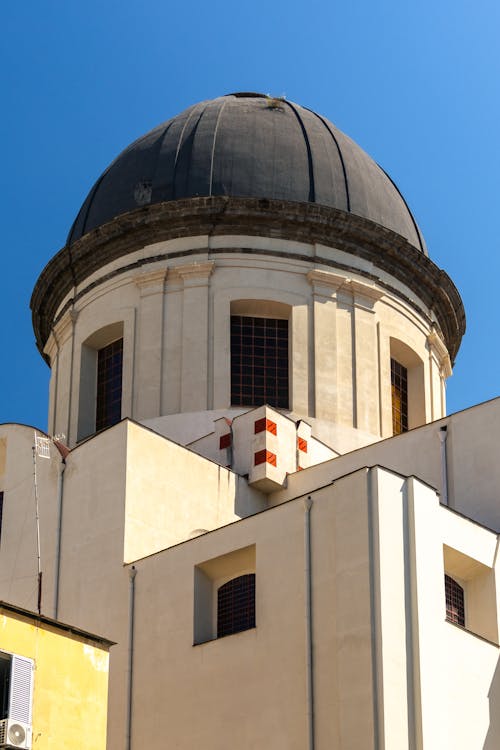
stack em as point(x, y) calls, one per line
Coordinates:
point(492, 741)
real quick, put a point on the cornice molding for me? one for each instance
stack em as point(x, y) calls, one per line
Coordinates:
point(195, 274)
point(151, 282)
point(220, 215)
point(435, 343)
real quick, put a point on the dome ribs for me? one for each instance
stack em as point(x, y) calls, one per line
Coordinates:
point(230, 146)
point(183, 156)
point(214, 141)
point(312, 191)
point(332, 134)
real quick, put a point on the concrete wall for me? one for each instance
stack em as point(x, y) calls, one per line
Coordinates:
point(172, 494)
point(18, 541)
point(473, 471)
point(252, 684)
point(382, 651)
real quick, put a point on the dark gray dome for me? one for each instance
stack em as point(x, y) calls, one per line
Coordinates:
point(248, 146)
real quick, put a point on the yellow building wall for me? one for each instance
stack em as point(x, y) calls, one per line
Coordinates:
point(70, 683)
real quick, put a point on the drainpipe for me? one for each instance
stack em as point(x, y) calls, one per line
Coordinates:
point(57, 572)
point(309, 644)
point(131, 612)
point(443, 434)
point(230, 453)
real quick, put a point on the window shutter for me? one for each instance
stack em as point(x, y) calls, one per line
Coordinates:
point(21, 689)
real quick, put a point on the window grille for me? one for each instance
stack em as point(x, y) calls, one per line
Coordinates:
point(455, 608)
point(399, 387)
point(259, 361)
point(109, 385)
point(236, 605)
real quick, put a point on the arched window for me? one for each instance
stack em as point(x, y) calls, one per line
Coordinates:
point(407, 388)
point(259, 361)
point(101, 376)
point(109, 385)
point(455, 606)
point(236, 605)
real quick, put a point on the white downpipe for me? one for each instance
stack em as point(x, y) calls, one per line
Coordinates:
point(443, 434)
point(131, 613)
point(309, 642)
point(57, 566)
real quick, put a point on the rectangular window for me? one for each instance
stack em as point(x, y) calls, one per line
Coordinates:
point(109, 385)
point(224, 595)
point(455, 607)
point(5, 669)
point(399, 387)
point(259, 361)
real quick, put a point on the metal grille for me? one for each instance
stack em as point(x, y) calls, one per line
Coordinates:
point(259, 361)
point(236, 605)
point(109, 385)
point(399, 385)
point(455, 608)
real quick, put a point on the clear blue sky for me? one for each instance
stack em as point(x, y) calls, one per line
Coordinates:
point(415, 84)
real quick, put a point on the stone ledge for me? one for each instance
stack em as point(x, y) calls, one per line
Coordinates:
point(302, 222)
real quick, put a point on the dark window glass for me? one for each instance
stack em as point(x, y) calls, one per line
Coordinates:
point(399, 386)
point(236, 605)
point(109, 385)
point(259, 361)
point(455, 609)
point(5, 662)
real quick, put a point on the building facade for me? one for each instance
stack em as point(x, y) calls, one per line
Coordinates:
point(259, 495)
point(53, 683)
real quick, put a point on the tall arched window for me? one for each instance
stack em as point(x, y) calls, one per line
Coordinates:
point(407, 388)
point(259, 354)
point(101, 376)
point(455, 604)
point(236, 605)
point(109, 385)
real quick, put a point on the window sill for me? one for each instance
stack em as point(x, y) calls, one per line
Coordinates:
point(472, 633)
point(224, 637)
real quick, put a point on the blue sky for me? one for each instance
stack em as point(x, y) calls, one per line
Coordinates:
point(415, 84)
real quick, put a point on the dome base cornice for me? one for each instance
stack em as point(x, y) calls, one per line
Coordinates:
point(277, 219)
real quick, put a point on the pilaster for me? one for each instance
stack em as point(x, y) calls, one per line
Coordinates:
point(324, 366)
point(195, 335)
point(150, 344)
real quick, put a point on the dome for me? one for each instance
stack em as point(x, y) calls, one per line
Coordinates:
point(248, 145)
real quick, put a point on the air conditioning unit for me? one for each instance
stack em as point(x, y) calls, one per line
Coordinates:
point(15, 734)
